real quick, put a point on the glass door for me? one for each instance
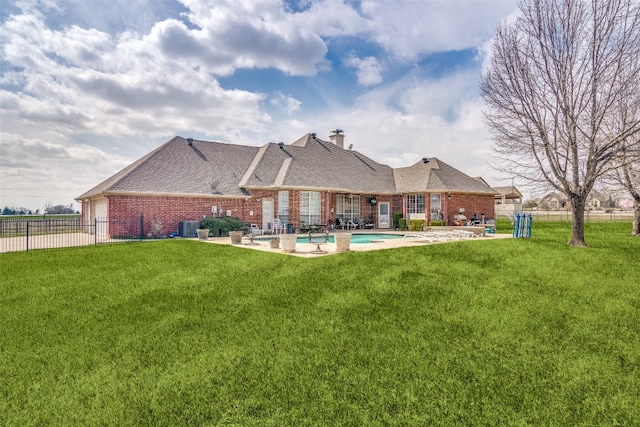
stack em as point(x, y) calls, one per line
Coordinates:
point(267, 215)
point(383, 215)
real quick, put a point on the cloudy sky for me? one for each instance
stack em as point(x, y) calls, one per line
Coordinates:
point(88, 86)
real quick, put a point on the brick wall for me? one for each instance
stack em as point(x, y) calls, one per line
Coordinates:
point(472, 204)
point(165, 213)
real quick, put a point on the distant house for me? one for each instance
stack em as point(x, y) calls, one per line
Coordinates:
point(310, 181)
point(598, 200)
point(554, 201)
point(508, 200)
point(595, 200)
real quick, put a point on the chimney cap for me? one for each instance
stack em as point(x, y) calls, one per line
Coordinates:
point(337, 131)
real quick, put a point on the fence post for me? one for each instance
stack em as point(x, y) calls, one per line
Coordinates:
point(95, 230)
point(27, 236)
point(141, 226)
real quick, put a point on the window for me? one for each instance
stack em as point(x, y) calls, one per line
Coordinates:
point(435, 207)
point(283, 207)
point(347, 207)
point(415, 203)
point(310, 207)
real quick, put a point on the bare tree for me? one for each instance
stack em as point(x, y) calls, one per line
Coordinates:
point(628, 176)
point(558, 75)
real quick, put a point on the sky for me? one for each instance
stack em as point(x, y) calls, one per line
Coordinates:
point(89, 86)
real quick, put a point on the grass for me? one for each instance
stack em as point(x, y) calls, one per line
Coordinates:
point(502, 332)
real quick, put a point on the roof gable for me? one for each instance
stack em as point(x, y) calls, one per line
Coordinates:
point(433, 175)
point(177, 167)
point(508, 192)
point(312, 163)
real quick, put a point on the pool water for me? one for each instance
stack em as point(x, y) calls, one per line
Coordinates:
point(359, 238)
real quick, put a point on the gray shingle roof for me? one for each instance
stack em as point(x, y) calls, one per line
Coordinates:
point(219, 169)
point(204, 168)
point(438, 177)
point(508, 191)
point(312, 163)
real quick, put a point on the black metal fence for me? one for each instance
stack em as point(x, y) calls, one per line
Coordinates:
point(24, 234)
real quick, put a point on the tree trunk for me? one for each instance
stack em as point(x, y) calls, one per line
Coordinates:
point(577, 229)
point(636, 218)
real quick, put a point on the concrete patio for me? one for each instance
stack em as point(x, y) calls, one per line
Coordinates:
point(307, 250)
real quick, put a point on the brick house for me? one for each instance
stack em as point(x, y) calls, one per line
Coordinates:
point(310, 181)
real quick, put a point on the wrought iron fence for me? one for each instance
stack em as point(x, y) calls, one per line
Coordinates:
point(24, 234)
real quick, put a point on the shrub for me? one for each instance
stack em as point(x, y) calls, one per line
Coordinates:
point(416, 224)
point(156, 230)
point(222, 226)
point(402, 224)
point(396, 219)
point(436, 223)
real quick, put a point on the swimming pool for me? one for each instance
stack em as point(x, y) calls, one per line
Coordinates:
point(359, 238)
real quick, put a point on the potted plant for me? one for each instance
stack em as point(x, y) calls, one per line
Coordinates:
point(343, 242)
point(227, 226)
point(236, 236)
point(288, 242)
point(275, 243)
point(203, 233)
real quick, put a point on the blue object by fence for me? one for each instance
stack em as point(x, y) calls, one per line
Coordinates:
point(522, 226)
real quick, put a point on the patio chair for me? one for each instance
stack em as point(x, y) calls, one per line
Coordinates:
point(350, 224)
point(255, 230)
point(279, 227)
point(423, 235)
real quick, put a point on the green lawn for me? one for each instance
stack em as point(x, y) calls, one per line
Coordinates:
point(168, 333)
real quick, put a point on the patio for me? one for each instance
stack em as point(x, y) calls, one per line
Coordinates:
point(309, 250)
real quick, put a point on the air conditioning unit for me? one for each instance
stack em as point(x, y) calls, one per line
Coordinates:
point(188, 228)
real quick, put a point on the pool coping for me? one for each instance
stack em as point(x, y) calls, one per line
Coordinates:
point(307, 250)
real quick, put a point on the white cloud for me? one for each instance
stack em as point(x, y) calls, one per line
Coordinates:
point(433, 26)
point(55, 172)
point(368, 70)
point(86, 81)
point(249, 34)
point(286, 102)
point(397, 124)
point(101, 87)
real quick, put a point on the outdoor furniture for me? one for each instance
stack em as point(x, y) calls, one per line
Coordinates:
point(442, 236)
point(318, 240)
point(255, 230)
point(279, 227)
point(310, 228)
point(350, 224)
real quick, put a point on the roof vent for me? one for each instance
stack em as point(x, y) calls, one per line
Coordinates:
point(281, 145)
point(313, 135)
point(425, 160)
point(190, 141)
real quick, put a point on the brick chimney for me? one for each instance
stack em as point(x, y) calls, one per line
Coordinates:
point(337, 137)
